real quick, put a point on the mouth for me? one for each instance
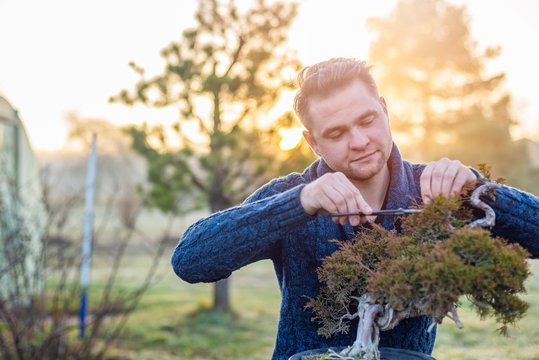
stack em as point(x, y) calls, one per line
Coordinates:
point(365, 157)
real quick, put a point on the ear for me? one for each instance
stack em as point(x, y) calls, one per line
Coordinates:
point(311, 141)
point(384, 105)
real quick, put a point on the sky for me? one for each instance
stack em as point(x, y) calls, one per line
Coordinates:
point(69, 56)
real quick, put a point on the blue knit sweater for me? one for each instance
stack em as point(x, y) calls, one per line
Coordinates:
point(272, 224)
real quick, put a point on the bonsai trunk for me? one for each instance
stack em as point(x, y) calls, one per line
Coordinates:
point(373, 318)
point(368, 332)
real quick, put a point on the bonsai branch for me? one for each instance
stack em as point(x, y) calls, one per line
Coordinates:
point(490, 217)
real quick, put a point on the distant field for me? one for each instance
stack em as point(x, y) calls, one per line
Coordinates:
point(171, 322)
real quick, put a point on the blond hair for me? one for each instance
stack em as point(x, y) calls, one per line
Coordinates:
point(325, 77)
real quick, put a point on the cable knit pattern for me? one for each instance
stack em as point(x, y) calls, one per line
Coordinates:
point(271, 224)
point(517, 218)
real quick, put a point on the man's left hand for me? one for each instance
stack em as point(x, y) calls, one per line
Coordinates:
point(445, 177)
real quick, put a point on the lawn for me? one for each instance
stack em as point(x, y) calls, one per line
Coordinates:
point(172, 321)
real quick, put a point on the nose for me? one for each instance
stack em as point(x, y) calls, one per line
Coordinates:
point(358, 139)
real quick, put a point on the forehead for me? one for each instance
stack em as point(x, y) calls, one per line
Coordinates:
point(341, 106)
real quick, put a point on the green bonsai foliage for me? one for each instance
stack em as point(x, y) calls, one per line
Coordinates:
point(422, 271)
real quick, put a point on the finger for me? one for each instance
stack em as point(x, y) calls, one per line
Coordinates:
point(464, 177)
point(359, 207)
point(364, 207)
point(424, 181)
point(339, 195)
point(348, 191)
point(332, 201)
point(355, 201)
point(448, 178)
point(327, 206)
point(437, 177)
point(359, 202)
point(320, 198)
point(352, 205)
point(342, 197)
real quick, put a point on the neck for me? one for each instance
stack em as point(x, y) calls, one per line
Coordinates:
point(374, 189)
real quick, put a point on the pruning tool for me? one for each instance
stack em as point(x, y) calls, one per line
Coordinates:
point(399, 211)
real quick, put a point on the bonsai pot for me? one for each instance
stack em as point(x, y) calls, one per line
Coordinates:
point(386, 354)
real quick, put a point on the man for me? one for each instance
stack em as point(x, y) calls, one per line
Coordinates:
point(360, 170)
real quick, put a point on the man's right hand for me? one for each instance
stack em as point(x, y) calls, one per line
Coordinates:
point(332, 193)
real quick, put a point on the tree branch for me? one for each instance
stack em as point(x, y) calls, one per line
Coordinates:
point(201, 122)
point(236, 56)
point(196, 181)
point(243, 115)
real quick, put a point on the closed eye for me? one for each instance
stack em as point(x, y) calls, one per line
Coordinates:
point(335, 134)
point(368, 119)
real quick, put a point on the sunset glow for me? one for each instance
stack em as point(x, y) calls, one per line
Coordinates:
point(80, 65)
point(290, 138)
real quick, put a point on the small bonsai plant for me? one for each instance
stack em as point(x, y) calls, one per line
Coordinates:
point(382, 277)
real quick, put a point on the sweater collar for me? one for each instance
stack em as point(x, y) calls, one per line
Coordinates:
point(401, 193)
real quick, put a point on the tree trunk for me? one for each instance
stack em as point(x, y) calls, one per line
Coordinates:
point(221, 298)
point(218, 202)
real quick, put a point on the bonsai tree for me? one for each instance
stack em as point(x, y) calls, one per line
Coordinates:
point(382, 277)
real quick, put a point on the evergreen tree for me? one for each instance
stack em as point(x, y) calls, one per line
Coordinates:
point(221, 76)
point(440, 93)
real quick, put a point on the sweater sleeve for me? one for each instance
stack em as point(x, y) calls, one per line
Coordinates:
point(517, 217)
point(212, 248)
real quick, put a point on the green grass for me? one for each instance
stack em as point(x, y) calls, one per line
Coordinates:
point(172, 321)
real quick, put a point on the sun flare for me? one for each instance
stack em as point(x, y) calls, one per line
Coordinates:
point(290, 138)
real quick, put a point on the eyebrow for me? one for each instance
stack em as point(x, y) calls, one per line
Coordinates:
point(364, 115)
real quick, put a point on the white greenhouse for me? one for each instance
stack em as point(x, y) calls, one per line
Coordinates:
point(22, 214)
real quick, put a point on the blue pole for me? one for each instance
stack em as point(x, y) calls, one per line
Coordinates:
point(87, 235)
point(82, 312)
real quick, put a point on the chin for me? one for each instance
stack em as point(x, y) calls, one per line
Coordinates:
point(362, 176)
point(365, 172)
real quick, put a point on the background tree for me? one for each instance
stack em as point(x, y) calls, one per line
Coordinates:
point(440, 93)
point(221, 76)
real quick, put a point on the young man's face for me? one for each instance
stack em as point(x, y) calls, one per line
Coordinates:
point(350, 131)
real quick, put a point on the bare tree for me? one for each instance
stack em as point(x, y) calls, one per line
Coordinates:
point(42, 323)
